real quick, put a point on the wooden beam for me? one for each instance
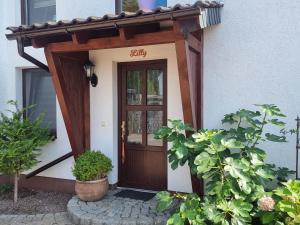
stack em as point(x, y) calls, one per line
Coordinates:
point(126, 33)
point(39, 42)
point(188, 26)
point(200, 83)
point(188, 49)
point(115, 42)
point(194, 43)
point(80, 37)
point(189, 58)
point(72, 90)
point(184, 70)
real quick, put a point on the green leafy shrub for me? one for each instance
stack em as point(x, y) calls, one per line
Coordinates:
point(287, 208)
point(92, 165)
point(20, 140)
point(4, 188)
point(231, 162)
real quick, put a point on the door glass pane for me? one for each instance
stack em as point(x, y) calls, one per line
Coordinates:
point(134, 88)
point(154, 87)
point(154, 122)
point(134, 124)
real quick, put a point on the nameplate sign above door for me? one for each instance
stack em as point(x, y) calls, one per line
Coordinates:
point(138, 52)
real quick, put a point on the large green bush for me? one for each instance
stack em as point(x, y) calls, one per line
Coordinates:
point(92, 165)
point(282, 207)
point(20, 140)
point(231, 162)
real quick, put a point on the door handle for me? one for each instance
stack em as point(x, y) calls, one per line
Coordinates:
point(123, 130)
point(123, 133)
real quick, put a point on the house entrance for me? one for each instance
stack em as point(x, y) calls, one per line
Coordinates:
point(143, 110)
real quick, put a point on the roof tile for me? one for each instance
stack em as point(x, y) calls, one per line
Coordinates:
point(52, 24)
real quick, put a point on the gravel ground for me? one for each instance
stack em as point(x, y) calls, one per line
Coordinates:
point(34, 202)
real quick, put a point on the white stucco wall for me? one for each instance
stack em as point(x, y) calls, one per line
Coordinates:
point(104, 104)
point(11, 65)
point(253, 57)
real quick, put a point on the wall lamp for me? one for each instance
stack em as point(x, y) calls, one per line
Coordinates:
point(89, 68)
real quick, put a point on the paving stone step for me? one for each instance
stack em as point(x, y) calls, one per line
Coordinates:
point(112, 210)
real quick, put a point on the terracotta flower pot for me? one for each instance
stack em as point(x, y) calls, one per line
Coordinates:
point(91, 191)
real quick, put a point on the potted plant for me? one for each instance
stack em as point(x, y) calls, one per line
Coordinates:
point(91, 169)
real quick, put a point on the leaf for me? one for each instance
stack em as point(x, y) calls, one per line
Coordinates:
point(276, 122)
point(181, 152)
point(204, 162)
point(282, 173)
point(190, 144)
point(163, 132)
point(214, 148)
point(265, 173)
point(242, 206)
point(279, 223)
point(297, 219)
point(286, 206)
point(244, 113)
point(175, 219)
point(190, 207)
point(245, 186)
point(267, 217)
point(164, 200)
point(234, 172)
point(229, 118)
point(255, 159)
point(235, 168)
point(275, 138)
point(204, 135)
point(271, 110)
point(232, 143)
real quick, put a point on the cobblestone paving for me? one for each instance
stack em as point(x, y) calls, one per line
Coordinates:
point(109, 211)
point(39, 219)
point(115, 211)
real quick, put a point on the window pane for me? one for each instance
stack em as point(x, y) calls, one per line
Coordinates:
point(38, 90)
point(134, 88)
point(154, 122)
point(134, 5)
point(134, 121)
point(39, 11)
point(154, 87)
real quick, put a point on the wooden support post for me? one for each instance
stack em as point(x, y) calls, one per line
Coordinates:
point(72, 90)
point(188, 52)
point(184, 70)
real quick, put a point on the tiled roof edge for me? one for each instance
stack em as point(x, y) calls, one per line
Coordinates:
point(107, 17)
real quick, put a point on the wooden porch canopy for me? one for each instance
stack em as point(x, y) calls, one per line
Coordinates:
point(67, 45)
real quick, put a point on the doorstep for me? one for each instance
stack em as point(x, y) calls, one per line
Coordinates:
point(112, 210)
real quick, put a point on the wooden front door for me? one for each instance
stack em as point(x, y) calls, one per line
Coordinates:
point(143, 110)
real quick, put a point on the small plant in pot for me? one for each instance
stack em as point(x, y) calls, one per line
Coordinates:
point(91, 169)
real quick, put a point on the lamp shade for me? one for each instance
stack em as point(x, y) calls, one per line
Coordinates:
point(89, 68)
